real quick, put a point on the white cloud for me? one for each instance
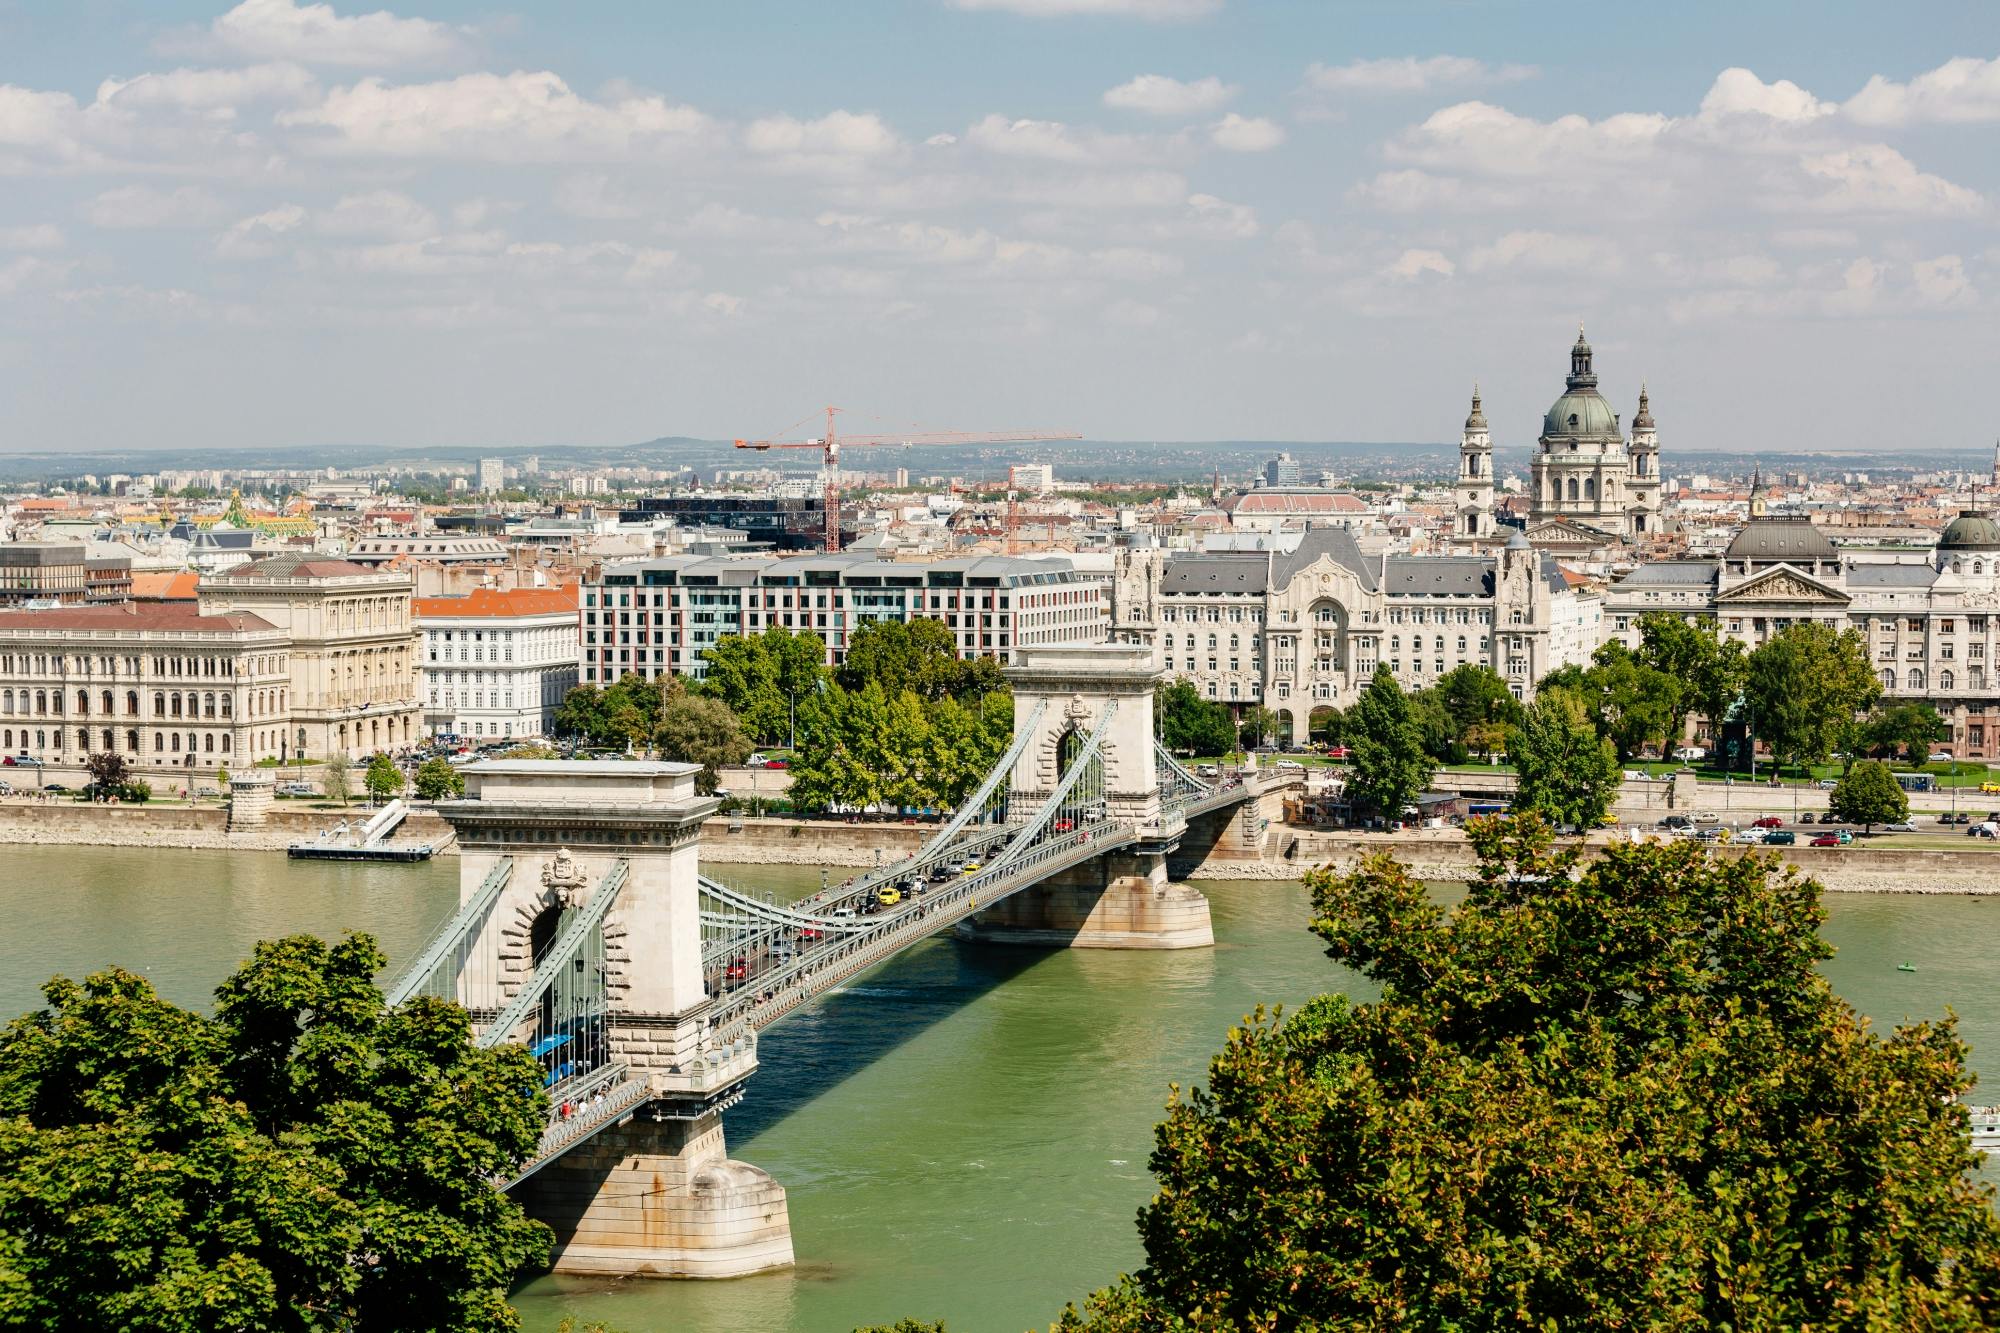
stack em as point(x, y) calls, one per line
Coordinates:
point(1875, 178)
point(1053, 141)
point(383, 213)
point(500, 117)
point(222, 90)
point(1544, 251)
point(253, 237)
point(1159, 95)
point(1942, 281)
point(40, 236)
point(594, 198)
point(132, 207)
point(837, 139)
point(1960, 91)
point(33, 273)
point(1413, 264)
point(1220, 218)
point(315, 34)
point(1408, 74)
point(1246, 134)
point(1155, 10)
point(1738, 91)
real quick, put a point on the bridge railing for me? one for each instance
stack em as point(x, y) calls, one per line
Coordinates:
point(449, 955)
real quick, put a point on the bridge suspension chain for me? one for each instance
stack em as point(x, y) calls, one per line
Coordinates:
point(449, 955)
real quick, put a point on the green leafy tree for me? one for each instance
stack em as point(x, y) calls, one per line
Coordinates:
point(1908, 729)
point(1868, 794)
point(1190, 724)
point(1604, 1094)
point(1569, 775)
point(1695, 653)
point(336, 777)
point(920, 656)
point(382, 779)
point(1390, 769)
point(1258, 727)
point(303, 1159)
point(739, 673)
point(1327, 724)
point(631, 712)
point(581, 713)
point(438, 779)
point(697, 730)
point(1629, 702)
point(1804, 686)
point(1476, 701)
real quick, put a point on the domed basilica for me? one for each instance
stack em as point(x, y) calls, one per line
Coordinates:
point(1588, 483)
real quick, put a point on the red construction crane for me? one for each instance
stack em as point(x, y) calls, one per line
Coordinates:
point(831, 444)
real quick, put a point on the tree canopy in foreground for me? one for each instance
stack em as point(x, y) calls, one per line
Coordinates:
point(304, 1159)
point(1605, 1095)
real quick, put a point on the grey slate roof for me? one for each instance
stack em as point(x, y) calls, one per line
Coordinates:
point(1440, 576)
point(1890, 576)
point(1780, 539)
point(1672, 574)
point(1255, 572)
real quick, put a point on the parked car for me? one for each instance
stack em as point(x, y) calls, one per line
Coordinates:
point(757, 760)
point(1768, 821)
point(777, 763)
point(1752, 835)
point(1675, 822)
point(1780, 837)
point(297, 789)
point(1824, 840)
point(1687, 754)
point(1290, 765)
point(1900, 826)
point(1939, 757)
point(1988, 830)
point(1810, 818)
point(1340, 752)
point(57, 788)
point(21, 761)
point(1707, 817)
point(1826, 784)
point(1711, 835)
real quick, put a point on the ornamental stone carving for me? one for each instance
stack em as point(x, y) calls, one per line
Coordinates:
point(564, 879)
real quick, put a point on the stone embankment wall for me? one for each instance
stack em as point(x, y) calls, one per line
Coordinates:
point(1437, 855)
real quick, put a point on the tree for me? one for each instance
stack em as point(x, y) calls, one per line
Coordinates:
point(1629, 702)
point(697, 730)
point(1569, 774)
point(108, 771)
point(383, 779)
point(335, 777)
point(1477, 705)
point(920, 656)
point(1911, 728)
point(1804, 686)
point(1390, 768)
point(1613, 1094)
point(1190, 724)
point(581, 713)
point(438, 779)
point(1258, 726)
point(302, 1159)
point(1868, 794)
point(1694, 652)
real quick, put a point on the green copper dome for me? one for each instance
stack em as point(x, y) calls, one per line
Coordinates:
point(1580, 411)
point(1971, 532)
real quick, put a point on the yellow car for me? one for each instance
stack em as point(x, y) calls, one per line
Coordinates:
point(971, 866)
point(888, 897)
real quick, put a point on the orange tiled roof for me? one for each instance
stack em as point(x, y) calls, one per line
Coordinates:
point(164, 586)
point(487, 603)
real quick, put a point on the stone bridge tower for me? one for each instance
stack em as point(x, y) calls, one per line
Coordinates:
point(656, 1195)
point(1123, 899)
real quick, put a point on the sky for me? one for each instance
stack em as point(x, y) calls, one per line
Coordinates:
point(459, 224)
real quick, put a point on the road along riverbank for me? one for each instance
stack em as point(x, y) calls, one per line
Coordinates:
point(1958, 867)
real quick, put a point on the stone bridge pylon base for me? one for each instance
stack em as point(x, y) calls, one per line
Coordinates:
point(1120, 901)
point(660, 1199)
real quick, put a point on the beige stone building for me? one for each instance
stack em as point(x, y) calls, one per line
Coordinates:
point(353, 647)
point(177, 692)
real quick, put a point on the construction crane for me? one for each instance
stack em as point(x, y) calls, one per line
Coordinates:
point(831, 444)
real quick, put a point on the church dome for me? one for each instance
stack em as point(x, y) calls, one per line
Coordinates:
point(1971, 531)
point(1579, 412)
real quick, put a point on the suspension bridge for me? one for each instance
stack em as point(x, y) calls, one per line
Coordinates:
point(587, 932)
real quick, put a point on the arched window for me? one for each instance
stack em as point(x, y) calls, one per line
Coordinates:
point(225, 742)
point(131, 703)
point(177, 705)
point(110, 741)
point(83, 703)
point(159, 742)
point(208, 742)
point(159, 704)
point(132, 740)
point(110, 704)
point(1572, 488)
point(1946, 680)
point(1979, 566)
point(82, 740)
point(228, 706)
point(1975, 678)
point(1888, 679)
point(1590, 488)
point(1957, 565)
point(208, 705)
point(1916, 679)
point(6, 701)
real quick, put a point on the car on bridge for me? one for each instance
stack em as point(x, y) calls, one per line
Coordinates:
point(888, 896)
point(738, 969)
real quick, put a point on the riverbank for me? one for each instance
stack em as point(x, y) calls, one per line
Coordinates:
point(842, 847)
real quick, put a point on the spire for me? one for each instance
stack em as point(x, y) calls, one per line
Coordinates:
point(1644, 419)
point(1580, 374)
point(1758, 503)
point(1477, 421)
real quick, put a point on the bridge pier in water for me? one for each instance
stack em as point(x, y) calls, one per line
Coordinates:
point(589, 953)
point(1119, 901)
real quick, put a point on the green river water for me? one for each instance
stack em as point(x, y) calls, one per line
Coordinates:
point(963, 1132)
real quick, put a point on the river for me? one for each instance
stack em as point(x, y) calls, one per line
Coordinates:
point(963, 1132)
